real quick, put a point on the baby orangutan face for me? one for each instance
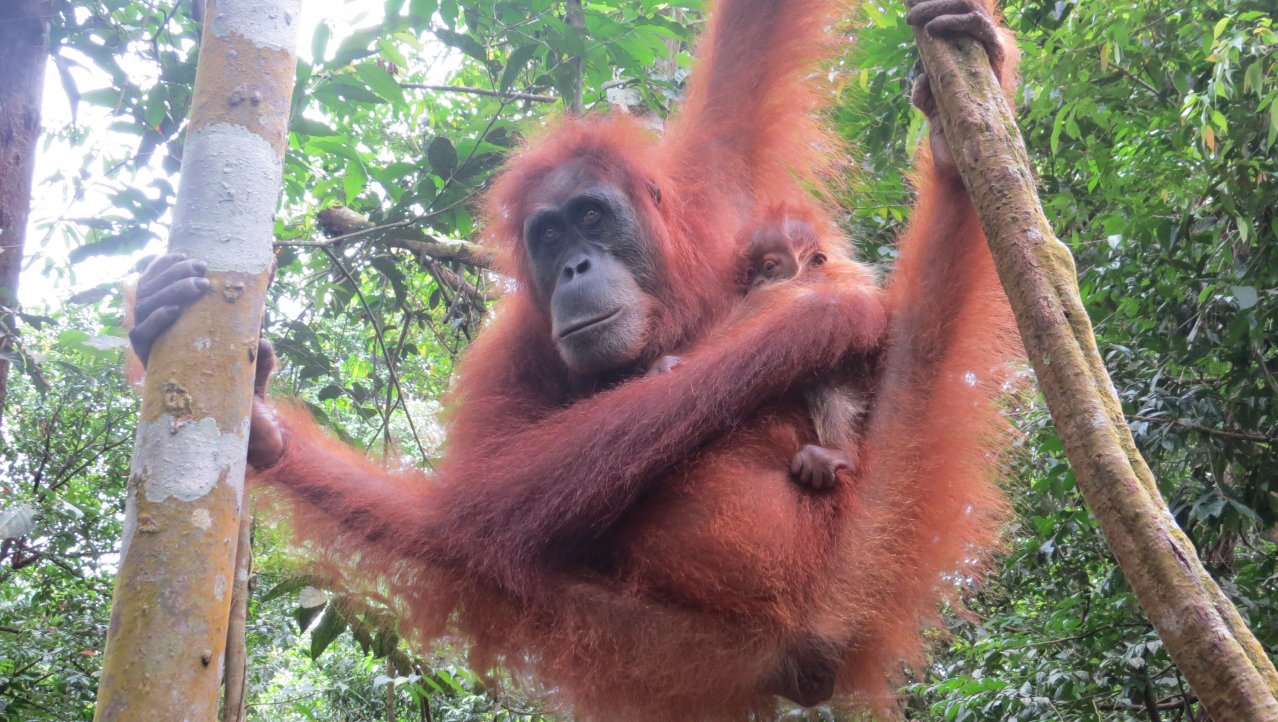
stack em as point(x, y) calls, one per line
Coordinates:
point(779, 251)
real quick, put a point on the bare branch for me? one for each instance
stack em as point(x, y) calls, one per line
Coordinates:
point(508, 95)
point(340, 224)
point(1223, 433)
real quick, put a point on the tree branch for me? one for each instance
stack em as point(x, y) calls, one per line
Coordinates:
point(1223, 433)
point(1202, 630)
point(575, 19)
point(339, 224)
point(508, 95)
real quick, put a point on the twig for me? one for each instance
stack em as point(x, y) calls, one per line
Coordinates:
point(1139, 81)
point(508, 95)
point(338, 221)
point(468, 253)
point(381, 343)
point(1224, 433)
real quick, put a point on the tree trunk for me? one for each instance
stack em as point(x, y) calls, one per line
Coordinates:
point(390, 690)
point(1202, 630)
point(235, 697)
point(24, 51)
point(574, 104)
point(165, 643)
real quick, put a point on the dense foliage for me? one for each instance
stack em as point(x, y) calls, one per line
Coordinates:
point(1152, 126)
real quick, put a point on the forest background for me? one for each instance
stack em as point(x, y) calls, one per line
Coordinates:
point(1152, 127)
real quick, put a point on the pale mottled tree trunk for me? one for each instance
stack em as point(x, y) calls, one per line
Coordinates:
point(1202, 630)
point(165, 644)
point(24, 51)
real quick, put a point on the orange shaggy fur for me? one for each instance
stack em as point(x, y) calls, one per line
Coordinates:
point(637, 549)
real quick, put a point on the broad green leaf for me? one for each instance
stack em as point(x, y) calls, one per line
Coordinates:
point(1273, 121)
point(155, 108)
point(330, 627)
point(357, 45)
point(1253, 78)
point(516, 64)
point(1246, 296)
point(464, 43)
point(1220, 27)
point(422, 9)
point(319, 42)
point(442, 157)
point(354, 181)
point(306, 126)
point(381, 82)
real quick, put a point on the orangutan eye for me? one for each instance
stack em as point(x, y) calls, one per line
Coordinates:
point(818, 259)
point(769, 267)
point(591, 216)
point(550, 233)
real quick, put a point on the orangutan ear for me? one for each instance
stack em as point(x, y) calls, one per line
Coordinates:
point(655, 191)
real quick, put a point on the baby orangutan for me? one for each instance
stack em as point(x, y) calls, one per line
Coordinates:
point(784, 246)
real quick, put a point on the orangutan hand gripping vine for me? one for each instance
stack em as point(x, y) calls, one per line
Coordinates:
point(634, 542)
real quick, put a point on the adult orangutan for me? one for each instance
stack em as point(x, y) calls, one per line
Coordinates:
point(634, 542)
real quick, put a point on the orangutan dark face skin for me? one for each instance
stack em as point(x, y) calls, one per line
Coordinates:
point(594, 267)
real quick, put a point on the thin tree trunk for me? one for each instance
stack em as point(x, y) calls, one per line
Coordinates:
point(168, 630)
point(575, 19)
point(24, 50)
point(1202, 630)
point(390, 690)
point(233, 700)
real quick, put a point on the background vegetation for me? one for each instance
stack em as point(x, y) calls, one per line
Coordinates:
point(1152, 125)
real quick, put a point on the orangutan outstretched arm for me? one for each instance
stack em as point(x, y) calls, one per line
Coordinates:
point(509, 505)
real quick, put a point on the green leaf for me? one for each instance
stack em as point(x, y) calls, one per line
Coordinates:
point(422, 9)
point(1246, 296)
point(1253, 79)
point(319, 42)
point(304, 616)
point(442, 157)
point(288, 586)
point(1244, 510)
point(305, 126)
point(336, 145)
point(68, 83)
point(346, 88)
point(330, 627)
point(464, 43)
point(1273, 122)
point(105, 97)
point(381, 82)
point(126, 241)
point(155, 108)
point(355, 180)
point(1220, 27)
point(564, 38)
point(354, 47)
point(516, 64)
